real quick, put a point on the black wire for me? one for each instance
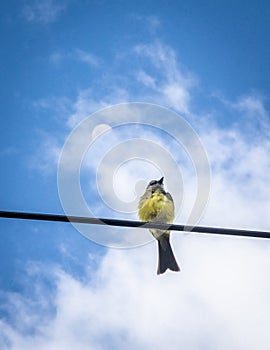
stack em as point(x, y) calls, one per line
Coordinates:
point(128, 223)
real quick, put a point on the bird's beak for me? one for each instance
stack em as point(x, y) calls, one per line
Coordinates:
point(161, 180)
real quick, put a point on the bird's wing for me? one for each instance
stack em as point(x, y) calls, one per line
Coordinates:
point(168, 195)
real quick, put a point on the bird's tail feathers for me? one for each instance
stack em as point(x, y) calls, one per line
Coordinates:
point(166, 258)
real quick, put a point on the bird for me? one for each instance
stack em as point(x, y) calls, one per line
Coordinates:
point(156, 205)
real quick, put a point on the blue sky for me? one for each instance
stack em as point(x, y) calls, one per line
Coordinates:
point(63, 60)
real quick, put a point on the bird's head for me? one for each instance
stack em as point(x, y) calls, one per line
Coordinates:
point(156, 185)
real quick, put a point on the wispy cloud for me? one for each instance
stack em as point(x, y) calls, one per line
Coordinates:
point(86, 57)
point(146, 79)
point(43, 11)
point(174, 83)
point(251, 112)
point(89, 102)
point(56, 57)
point(45, 157)
point(150, 22)
point(78, 55)
point(251, 104)
point(59, 106)
point(159, 78)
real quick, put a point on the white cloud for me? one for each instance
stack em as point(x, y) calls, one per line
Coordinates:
point(43, 11)
point(240, 167)
point(177, 96)
point(219, 295)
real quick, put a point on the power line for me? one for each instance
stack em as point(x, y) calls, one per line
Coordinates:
point(129, 223)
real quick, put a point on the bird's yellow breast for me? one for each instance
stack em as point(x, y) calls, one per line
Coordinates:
point(158, 207)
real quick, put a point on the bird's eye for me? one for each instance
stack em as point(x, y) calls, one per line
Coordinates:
point(153, 182)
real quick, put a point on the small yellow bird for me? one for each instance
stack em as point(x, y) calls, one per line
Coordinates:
point(156, 205)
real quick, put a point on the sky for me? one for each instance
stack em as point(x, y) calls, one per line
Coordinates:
point(98, 98)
